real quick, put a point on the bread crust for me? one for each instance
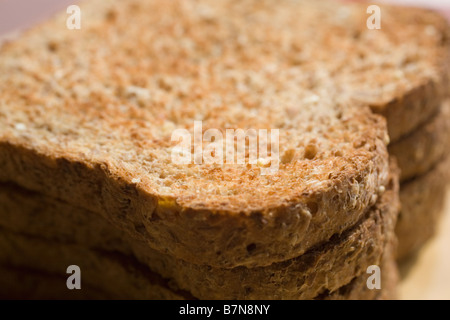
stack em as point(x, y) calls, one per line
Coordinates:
point(422, 200)
point(39, 285)
point(124, 278)
point(216, 237)
point(325, 268)
point(29, 284)
point(420, 104)
point(408, 109)
point(421, 150)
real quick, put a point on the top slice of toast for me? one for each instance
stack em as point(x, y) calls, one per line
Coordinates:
point(88, 115)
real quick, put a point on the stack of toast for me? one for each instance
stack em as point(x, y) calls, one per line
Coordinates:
point(88, 176)
point(423, 158)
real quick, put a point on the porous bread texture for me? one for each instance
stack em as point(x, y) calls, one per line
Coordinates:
point(325, 268)
point(422, 200)
point(86, 116)
point(421, 150)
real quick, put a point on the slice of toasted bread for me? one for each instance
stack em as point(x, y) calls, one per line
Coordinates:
point(325, 268)
point(358, 289)
point(38, 285)
point(122, 277)
point(420, 151)
point(422, 200)
point(87, 116)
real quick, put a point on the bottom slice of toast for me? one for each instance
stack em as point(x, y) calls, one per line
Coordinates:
point(48, 235)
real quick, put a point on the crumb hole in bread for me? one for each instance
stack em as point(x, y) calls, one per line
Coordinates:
point(154, 217)
point(311, 151)
point(313, 207)
point(52, 46)
point(338, 153)
point(359, 143)
point(288, 156)
point(335, 199)
point(356, 34)
point(168, 183)
point(251, 248)
point(111, 15)
point(370, 250)
point(140, 228)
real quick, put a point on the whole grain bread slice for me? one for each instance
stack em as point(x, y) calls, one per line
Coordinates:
point(421, 150)
point(325, 268)
point(118, 276)
point(422, 200)
point(93, 126)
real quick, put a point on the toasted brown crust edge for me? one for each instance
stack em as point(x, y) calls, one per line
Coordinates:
point(204, 236)
point(420, 151)
point(422, 201)
point(328, 266)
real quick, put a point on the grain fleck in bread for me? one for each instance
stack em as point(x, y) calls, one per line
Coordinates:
point(87, 117)
point(422, 200)
point(324, 268)
point(421, 150)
